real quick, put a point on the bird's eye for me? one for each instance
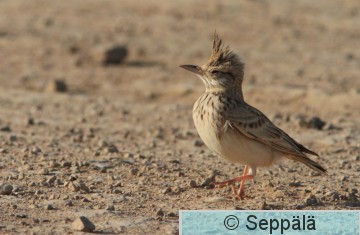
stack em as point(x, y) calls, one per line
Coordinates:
point(215, 72)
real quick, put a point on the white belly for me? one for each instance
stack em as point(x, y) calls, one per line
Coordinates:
point(235, 147)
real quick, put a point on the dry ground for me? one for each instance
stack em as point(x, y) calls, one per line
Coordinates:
point(119, 145)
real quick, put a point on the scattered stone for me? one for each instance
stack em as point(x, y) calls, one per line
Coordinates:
point(193, 184)
point(334, 195)
point(171, 214)
point(6, 189)
point(74, 186)
point(115, 55)
point(111, 149)
point(35, 150)
point(49, 207)
point(43, 171)
point(83, 224)
point(5, 128)
point(75, 170)
point(314, 123)
point(30, 121)
point(134, 171)
point(66, 164)
point(344, 178)
point(51, 179)
point(56, 86)
point(166, 190)
point(314, 173)
point(68, 203)
point(53, 164)
point(295, 184)
point(209, 181)
point(160, 212)
point(13, 138)
point(2, 150)
point(214, 199)
point(312, 200)
point(73, 177)
point(128, 155)
point(198, 143)
point(77, 186)
point(110, 208)
point(353, 204)
point(116, 191)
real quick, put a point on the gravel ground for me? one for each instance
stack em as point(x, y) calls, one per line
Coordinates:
point(96, 130)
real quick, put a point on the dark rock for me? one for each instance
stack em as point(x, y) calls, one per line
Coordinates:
point(115, 55)
point(5, 128)
point(83, 224)
point(6, 189)
point(316, 123)
point(56, 86)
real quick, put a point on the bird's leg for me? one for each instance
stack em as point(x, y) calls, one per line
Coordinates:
point(232, 181)
point(228, 182)
point(240, 192)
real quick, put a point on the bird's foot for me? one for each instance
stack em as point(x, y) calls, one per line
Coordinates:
point(228, 182)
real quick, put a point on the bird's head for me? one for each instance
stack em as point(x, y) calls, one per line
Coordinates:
point(223, 71)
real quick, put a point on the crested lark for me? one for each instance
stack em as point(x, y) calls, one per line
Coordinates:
point(232, 128)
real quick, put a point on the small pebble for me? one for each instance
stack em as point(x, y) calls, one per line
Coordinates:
point(115, 55)
point(198, 143)
point(22, 216)
point(51, 179)
point(5, 128)
point(43, 171)
point(49, 207)
point(171, 214)
point(83, 224)
point(111, 149)
point(35, 150)
point(166, 190)
point(6, 189)
point(334, 195)
point(316, 123)
point(295, 184)
point(110, 208)
point(193, 184)
point(66, 164)
point(209, 181)
point(134, 171)
point(56, 86)
point(68, 203)
point(311, 200)
point(160, 212)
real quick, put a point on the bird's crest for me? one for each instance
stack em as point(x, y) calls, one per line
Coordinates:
point(223, 56)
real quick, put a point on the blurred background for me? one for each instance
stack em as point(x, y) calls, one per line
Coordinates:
point(93, 89)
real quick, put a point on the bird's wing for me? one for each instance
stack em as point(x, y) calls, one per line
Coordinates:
point(255, 125)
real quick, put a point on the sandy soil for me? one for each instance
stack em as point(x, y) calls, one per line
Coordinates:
point(119, 145)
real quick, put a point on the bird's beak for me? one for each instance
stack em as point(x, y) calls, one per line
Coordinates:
point(193, 68)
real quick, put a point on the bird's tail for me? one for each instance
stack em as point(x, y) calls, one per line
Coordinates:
point(308, 162)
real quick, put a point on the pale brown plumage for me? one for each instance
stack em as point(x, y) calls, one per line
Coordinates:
point(232, 128)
